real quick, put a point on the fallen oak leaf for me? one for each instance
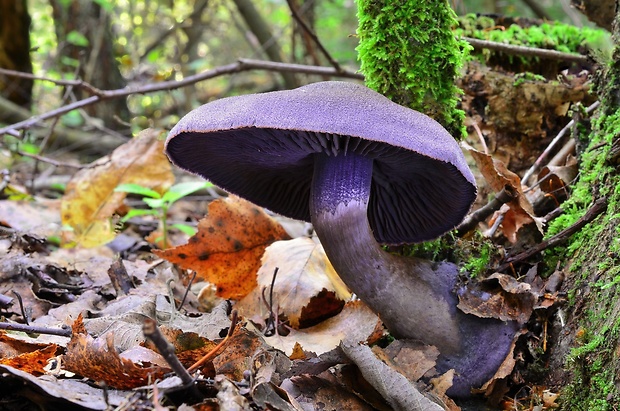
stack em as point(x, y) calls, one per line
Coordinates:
point(228, 246)
point(98, 360)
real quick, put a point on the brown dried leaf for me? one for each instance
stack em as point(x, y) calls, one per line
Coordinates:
point(98, 360)
point(233, 360)
point(411, 358)
point(90, 200)
point(498, 176)
point(228, 247)
point(499, 296)
point(307, 289)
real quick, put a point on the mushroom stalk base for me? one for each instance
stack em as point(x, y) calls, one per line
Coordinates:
point(414, 298)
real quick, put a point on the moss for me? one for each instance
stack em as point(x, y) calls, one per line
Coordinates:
point(549, 35)
point(408, 52)
point(527, 76)
point(474, 255)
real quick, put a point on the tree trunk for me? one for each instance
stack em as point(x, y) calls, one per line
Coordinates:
point(15, 51)
point(95, 61)
point(585, 353)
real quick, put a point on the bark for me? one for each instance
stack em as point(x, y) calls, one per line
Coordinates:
point(15, 51)
point(96, 61)
point(584, 357)
point(600, 12)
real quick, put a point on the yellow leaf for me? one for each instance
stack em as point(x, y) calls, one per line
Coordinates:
point(90, 200)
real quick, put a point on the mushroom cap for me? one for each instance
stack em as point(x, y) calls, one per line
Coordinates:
point(262, 147)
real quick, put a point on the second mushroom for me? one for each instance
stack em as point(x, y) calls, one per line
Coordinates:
point(365, 171)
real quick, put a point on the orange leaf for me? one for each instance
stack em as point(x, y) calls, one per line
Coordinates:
point(228, 246)
point(32, 362)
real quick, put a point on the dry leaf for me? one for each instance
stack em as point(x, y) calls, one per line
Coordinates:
point(397, 390)
point(512, 300)
point(32, 362)
point(520, 210)
point(90, 200)
point(40, 217)
point(228, 247)
point(356, 323)
point(98, 360)
point(413, 359)
point(307, 289)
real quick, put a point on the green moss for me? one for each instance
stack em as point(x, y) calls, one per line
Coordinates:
point(408, 52)
point(521, 78)
point(549, 35)
point(474, 255)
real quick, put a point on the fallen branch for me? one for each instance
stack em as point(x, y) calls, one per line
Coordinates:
point(507, 194)
point(526, 51)
point(597, 208)
point(241, 65)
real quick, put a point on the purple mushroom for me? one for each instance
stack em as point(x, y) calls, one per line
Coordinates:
point(365, 171)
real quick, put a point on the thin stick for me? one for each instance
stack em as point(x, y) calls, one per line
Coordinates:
point(552, 144)
point(152, 332)
point(36, 330)
point(239, 66)
point(526, 51)
point(507, 194)
point(597, 208)
point(312, 35)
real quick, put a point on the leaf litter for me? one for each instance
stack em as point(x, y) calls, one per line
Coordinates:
point(301, 340)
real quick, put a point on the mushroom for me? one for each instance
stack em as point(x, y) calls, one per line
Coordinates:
point(365, 171)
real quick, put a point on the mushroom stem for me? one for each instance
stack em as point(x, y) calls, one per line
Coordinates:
point(414, 298)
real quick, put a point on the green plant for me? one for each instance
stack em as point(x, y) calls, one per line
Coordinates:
point(159, 204)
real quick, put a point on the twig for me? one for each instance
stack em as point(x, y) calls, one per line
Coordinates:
point(312, 35)
point(552, 144)
point(36, 330)
point(507, 194)
point(240, 65)
point(21, 307)
point(51, 161)
point(271, 327)
point(597, 208)
point(526, 51)
point(152, 332)
point(189, 286)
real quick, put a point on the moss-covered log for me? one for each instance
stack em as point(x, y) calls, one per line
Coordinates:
point(585, 356)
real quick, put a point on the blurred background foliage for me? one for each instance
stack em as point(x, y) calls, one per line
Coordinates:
point(117, 43)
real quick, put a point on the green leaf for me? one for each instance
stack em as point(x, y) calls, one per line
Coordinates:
point(186, 229)
point(78, 39)
point(137, 212)
point(154, 202)
point(181, 190)
point(137, 189)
